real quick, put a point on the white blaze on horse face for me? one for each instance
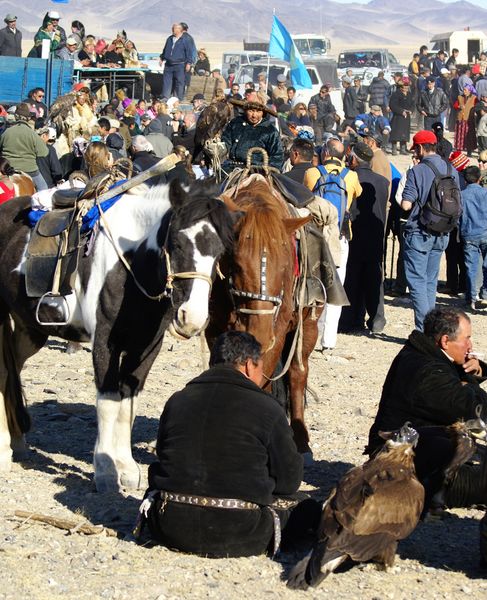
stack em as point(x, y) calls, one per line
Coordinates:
point(192, 315)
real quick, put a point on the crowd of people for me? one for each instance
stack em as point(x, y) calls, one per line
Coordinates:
point(359, 196)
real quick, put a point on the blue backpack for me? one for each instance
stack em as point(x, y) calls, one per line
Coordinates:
point(331, 186)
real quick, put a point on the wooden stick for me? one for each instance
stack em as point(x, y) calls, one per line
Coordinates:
point(65, 524)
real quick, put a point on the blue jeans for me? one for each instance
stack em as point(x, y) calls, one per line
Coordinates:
point(38, 180)
point(422, 255)
point(173, 80)
point(472, 250)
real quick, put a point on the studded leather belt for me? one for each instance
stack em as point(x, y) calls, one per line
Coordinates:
point(207, 502)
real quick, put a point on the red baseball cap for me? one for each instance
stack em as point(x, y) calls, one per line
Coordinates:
point(424, 137)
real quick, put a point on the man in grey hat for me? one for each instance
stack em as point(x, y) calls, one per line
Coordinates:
point(10, 37)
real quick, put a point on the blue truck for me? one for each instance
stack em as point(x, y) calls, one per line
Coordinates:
point(20, 75)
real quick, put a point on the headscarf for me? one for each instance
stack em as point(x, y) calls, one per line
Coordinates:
point(471, 88)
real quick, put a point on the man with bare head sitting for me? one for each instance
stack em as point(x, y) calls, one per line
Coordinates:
point(228, 468)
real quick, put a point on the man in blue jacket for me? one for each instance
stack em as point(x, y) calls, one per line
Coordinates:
point(473, 232)
point(177, 58)
point(422, 248)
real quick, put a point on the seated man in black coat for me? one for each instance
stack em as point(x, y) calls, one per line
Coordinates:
point(228, 467)
point(435, 380)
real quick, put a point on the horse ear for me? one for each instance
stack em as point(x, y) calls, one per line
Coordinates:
point(292, 225)
point(177, 195)
point(232, 206)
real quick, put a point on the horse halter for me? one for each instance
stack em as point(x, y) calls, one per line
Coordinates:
point(262, 297)
point(171, 276)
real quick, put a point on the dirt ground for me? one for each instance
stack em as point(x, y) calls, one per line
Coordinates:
point(37, 562)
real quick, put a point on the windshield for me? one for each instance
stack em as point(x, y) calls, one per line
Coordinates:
point(360, 59)
point(311, 46)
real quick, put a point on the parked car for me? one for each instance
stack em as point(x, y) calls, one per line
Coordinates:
point(240, 57)
point(367, 64)
point(321, 70)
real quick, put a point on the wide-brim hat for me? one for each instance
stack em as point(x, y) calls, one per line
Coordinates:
point(246, 105)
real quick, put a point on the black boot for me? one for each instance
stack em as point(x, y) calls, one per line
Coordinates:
point(394, 148)
point(404, 150)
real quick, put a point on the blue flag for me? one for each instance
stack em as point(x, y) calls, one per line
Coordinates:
point(282, 46)
point(60, 1)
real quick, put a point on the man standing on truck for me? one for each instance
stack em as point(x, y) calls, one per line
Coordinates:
point(10, 37)
point(177, 57)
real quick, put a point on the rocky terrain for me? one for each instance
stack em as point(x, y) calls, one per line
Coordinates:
point(38, 562)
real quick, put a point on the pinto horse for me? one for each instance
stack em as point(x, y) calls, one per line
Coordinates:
point(259, 294)
point(150, 268)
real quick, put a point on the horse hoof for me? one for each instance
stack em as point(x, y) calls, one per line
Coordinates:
point(20, 449)
point(132, 480)
point(106, 483)
point(308, 459)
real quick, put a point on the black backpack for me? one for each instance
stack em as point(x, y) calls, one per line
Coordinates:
point(441, 211)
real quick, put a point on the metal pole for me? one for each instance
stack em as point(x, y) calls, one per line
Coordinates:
point(49, 80)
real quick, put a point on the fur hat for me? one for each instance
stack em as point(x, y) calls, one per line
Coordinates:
point(246, 105)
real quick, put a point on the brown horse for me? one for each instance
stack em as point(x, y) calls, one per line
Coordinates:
point(259, 293)
point(23, 184)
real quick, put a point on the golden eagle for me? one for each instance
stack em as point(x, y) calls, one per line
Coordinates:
point(371, 509)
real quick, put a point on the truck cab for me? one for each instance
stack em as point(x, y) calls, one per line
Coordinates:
point(240, 57)
point(367, 63)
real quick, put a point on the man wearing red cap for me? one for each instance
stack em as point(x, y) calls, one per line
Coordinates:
point(422, 247)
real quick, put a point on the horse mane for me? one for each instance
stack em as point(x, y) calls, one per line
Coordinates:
point(202, 201)
point(262, 222)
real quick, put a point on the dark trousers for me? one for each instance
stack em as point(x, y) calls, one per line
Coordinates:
point(219, 533)
point(456, 272)
point(365, 290)
point(173, 81)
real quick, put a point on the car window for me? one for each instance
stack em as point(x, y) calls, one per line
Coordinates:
point(392, 59)
point(360, 59)
point(313, 76)
point(231, 58)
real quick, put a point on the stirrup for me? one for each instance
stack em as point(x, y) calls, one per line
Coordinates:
point(54, 301)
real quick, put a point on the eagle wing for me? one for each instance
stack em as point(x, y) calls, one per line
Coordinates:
point(212, 121)
point(60, 109)
point(381, 497)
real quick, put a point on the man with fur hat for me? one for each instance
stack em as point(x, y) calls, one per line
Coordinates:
point(21, 146)
point(10, 37)
point(252, 130)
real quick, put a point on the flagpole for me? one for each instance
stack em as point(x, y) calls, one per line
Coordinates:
point(268, 60)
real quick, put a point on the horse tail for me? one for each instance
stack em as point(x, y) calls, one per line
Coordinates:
point(18, 418)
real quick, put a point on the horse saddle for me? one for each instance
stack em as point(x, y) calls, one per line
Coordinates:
point(53, 252)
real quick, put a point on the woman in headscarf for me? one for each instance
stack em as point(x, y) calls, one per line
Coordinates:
point(465, 137)
point(202, 65)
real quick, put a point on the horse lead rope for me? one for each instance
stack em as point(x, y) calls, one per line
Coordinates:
point(170, 277)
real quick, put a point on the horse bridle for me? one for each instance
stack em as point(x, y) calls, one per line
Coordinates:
point(171, 276)
point(262, 297)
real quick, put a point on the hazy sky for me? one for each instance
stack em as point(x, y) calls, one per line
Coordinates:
point(482, 3)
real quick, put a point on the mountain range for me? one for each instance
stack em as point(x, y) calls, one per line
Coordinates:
point(377, 23)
